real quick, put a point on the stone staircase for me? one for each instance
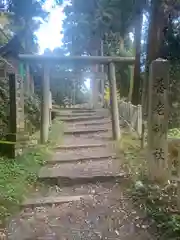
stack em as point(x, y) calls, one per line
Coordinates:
point(90, 159)
point(81, 197)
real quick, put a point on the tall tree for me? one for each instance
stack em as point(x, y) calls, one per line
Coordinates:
point(26, 16)
point(87, 25)
point(137, 67)
point(160, 10)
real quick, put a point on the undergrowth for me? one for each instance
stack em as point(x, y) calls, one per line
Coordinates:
point(174, 132)
point(18, 176)
point(158, 201)
point(31, 110)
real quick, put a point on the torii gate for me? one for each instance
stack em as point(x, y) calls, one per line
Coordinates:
point(47, 60)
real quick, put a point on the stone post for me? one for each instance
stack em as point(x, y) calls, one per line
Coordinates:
point(102, 90)
point(12, 136)
point(102, 70)
point(16, 114)
point(20, 103)
point(27, 80)
point(91, 92)
point(44, 131)
point(114, 102)
point(94, 87)
point(158, 120)
point(32, 85)
point(139, 120)
point(178, 181)
point(101, 77)
point(73, 102)
point(50, 108)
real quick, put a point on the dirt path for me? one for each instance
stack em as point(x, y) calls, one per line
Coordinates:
point(82, 196)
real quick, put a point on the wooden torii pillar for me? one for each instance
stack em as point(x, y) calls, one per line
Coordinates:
point(83, 60)
point(45, 111)
point(114, 102)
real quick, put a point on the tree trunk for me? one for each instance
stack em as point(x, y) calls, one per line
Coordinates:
point(154, 39)
point(152, 44)
point(27, 50)
point(137, 66)
point(131, 70)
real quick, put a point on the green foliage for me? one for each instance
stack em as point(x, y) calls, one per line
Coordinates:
point(31, 108)
point(32, 111)
point(170, 50)
point(174, 133)
point(5, 33)
point(25, 10)
point(13, 174)
point(88, 24)
point(4, 105)
point(159, 202)
point(68, 89)
point(24, 18)
point(133, 158)
point(17, 176)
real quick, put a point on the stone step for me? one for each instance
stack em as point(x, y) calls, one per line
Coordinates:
point(85, 131)
point(75, 126)
point(75, 158)
point(51, 200)
point(108, 216)
point(79, 119)
point(80, 146)
point(88, 172)
point(55, 195)
point(88, 139)
point(93, 123)
point(72, 115)
point(83, 111)
point(77, 111)
point(72, 109)
point(82, 154)
point(67, 113)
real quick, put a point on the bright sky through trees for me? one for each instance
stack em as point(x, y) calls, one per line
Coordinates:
point(49, 35)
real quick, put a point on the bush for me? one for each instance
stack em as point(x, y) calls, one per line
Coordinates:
point(159, 201)
point(32, 113)
point(31, 109)
point(18, 176)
